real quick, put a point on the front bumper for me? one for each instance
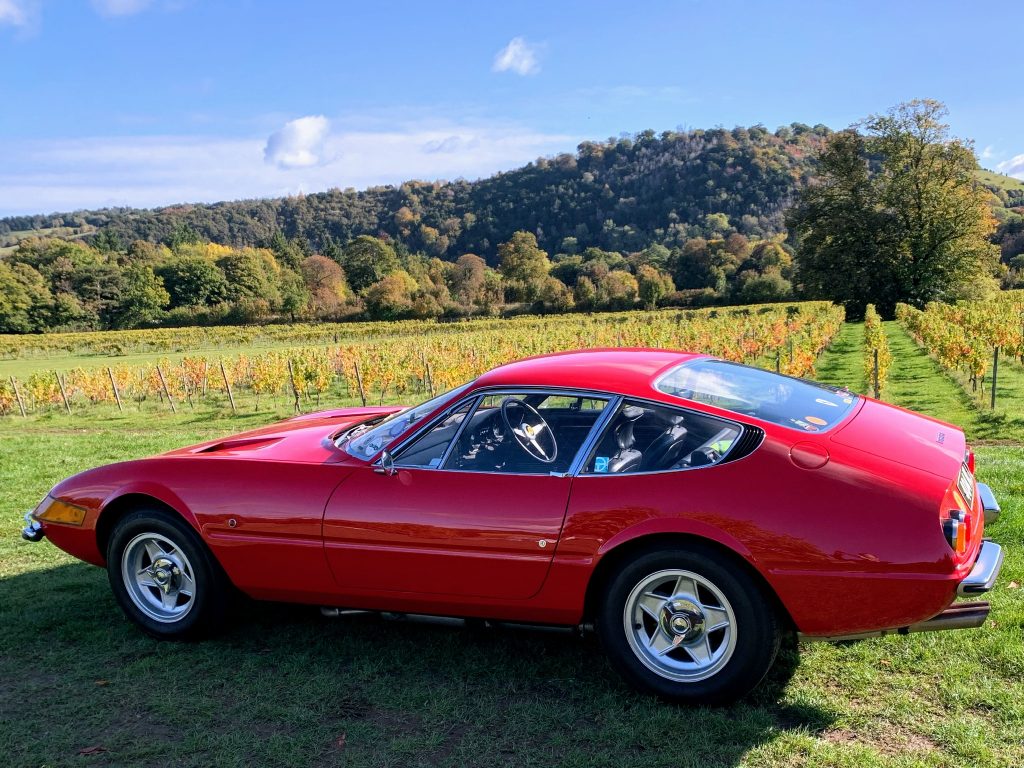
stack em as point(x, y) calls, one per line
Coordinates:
point(34, 530)
point(985, 571)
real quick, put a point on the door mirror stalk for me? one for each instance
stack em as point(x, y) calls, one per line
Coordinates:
point(387, 465)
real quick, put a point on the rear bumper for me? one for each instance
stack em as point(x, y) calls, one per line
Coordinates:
point(988, 503)
point(34, 530)
point(985, 571)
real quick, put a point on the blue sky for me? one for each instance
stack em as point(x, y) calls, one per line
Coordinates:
point(152, 102)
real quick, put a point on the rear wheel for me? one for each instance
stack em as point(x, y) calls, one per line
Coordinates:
point(688, 625)
point(163, 577)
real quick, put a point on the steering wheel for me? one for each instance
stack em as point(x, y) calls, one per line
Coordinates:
point(529, 429)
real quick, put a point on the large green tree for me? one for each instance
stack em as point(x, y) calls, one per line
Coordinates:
point(524, 266)
point(366, 260)
point(898, 215)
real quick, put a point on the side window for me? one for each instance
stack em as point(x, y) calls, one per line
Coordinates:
point(429, 448)
point(525, 433)
point(643, 437)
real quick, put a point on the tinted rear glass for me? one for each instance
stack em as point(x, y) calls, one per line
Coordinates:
point(783, 400)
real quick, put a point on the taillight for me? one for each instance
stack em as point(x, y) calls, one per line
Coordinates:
point(969, 460)
point(957, 529)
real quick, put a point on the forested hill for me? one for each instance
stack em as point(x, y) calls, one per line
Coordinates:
point(620, 195)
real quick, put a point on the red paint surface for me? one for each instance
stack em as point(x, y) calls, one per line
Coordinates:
point(854, 545)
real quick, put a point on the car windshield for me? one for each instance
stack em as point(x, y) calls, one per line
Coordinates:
point(366, 440)
point(784, 400)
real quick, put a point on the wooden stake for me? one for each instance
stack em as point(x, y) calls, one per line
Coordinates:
point(295, 389)
point(359, 382)
point(995, 374)
point(63, 394)
point(227, 386)
point(113, 386)
point(163, 383)
point(17, 394)
point(878, 389)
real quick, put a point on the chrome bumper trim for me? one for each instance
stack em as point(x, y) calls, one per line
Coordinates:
point(34, 530)
point(957, 616)
point(985, 571)
point(988, 501)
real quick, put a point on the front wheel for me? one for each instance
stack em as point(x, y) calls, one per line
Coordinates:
point(163, 577)
point(688, 625)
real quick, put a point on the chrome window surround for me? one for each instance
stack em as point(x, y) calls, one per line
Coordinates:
point(738, 424)
point(477, 397)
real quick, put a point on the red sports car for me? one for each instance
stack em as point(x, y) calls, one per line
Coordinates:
point(690, 509)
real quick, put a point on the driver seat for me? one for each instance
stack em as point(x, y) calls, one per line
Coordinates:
point(664, 451)
point(626, 458)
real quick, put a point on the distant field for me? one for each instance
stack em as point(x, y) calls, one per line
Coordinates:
point(999, 180)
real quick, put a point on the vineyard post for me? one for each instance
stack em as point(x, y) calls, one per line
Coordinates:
point(295, 389)
point(206, 368)
point(163, 383)
point(17, 395)
point(63, 394)
point(791, 352)
point(227, 386)
point(995, 374)
point(113, 386)
point(778, 361)
point(430, 379)
point(878, 389)
point(359, 382)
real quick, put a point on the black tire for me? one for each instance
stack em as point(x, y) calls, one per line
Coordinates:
point(744, 660)
point(202, 612)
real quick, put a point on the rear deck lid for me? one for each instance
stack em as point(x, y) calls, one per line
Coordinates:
point(906, 438)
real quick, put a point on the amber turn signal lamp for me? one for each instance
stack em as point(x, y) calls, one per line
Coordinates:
point(62, 512)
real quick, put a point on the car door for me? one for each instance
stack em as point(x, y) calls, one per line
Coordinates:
point(467, 513)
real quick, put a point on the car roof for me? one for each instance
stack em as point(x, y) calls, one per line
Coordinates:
point(619, 371)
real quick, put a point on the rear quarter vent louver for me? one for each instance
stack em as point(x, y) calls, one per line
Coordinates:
point(746, 445)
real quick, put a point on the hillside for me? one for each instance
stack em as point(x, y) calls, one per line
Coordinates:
point(621, 194)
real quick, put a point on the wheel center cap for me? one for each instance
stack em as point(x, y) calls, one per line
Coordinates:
point(682, 618)
point(164, 571)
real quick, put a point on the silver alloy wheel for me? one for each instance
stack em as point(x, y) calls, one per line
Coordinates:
point(680, 625)
point(158, 577)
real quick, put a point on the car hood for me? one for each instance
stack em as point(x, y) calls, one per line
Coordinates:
point(905, 437)
point(306, 438)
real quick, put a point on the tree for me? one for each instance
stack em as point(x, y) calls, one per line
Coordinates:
point(618, 290)
point(193, 281)
point(898, 215)
point(294, 296)
point(326, 283)
point(653, 285)
point(366, 260)
point(524, 266)
point(391, 297)
point(468, 280)
point(24, 299)
point(142, 298)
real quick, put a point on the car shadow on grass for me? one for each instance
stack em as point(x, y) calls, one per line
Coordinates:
point(282, 684)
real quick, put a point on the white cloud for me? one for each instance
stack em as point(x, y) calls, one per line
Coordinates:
point(299, 144)
point(988, 152)
point(39, 175)
point(1012, 167)
point(14, 12)
point(518, 56)
point(119, 7)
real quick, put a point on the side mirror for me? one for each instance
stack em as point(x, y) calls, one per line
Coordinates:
point(387, 465)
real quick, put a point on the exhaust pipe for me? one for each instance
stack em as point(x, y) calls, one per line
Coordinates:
point(957, 616)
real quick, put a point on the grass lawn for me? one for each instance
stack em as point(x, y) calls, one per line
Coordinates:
point(79, 686)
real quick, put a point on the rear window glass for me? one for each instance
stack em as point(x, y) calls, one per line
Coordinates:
point(783, 400)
